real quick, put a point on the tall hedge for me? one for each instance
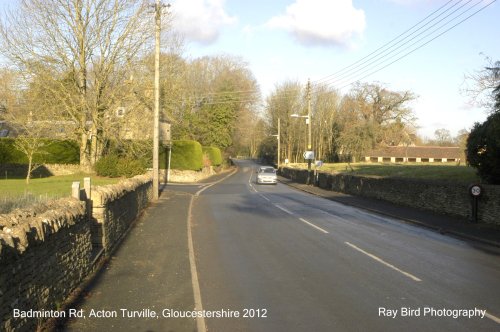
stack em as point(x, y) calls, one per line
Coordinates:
point(54, 152)
point(483, 149)
point(186, 155)
point(214, 155)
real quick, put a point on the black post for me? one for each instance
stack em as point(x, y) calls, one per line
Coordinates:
point(308, 182)
point(474, 209)
point(475, 192)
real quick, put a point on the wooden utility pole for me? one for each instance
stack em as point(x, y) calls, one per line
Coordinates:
point(156, 120)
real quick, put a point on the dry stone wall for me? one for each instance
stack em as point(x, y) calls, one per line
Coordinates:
point(115, 207)
point(441, 197)
point(43, 258)
point(46, 253)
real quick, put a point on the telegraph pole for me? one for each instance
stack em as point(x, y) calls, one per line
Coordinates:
point(156, 120)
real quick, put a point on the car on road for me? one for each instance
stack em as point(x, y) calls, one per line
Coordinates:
point(266, 174)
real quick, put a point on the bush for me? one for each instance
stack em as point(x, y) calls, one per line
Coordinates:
point(116, 166)
point(483, 149)
point(131, 167)
point(107, 166)
point(214, 155)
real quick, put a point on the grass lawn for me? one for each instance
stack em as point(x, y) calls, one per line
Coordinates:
point(431, 171)
point(16, 193)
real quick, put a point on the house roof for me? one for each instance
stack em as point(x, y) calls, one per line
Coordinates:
point(436, 152)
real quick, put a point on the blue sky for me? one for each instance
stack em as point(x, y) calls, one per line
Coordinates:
point(300, 39)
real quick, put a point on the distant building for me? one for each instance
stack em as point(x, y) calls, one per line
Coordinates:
point(417, 154)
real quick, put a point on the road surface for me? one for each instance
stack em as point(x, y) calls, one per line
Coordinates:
point(291, 261)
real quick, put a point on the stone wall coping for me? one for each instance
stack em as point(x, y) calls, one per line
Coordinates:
point(102, 195)
point(22, 228)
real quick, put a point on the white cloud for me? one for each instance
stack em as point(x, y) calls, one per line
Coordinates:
point(321, 22)
point(200, 20)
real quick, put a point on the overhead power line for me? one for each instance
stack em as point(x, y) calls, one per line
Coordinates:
point(389, 52)
point(383, 47)
point(439, 22)
point(378, 59)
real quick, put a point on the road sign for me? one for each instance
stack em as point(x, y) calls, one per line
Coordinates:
point(475, 190)
point(308, 155)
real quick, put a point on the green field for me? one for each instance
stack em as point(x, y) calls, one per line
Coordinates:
point(430, 171)
point(16, 193)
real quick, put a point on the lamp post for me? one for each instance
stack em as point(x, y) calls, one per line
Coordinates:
point(279, 147)
point(309, 145)
point(308, 122)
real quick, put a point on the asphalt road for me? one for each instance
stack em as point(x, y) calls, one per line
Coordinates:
point(291, 261)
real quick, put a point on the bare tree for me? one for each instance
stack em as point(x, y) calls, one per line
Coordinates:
point(30, 142)
point(30, 138)
point(443, 137)
point(483, 86)
point(285, 100)
point(325, 108)
point(79, 51)
point(386, 112)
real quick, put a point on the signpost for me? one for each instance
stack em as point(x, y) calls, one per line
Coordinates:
point(308, 155)
point(475, 191)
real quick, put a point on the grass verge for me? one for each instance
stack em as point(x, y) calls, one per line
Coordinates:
point(428, 171)
point(15, 193)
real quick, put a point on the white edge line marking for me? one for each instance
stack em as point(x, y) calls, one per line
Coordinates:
point(200, 321)
point(313, 225)
point(214, 183)
point(493, 318)
point(409, 275)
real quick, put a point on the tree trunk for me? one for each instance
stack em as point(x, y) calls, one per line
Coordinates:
point(30, 163)
point(84, 153)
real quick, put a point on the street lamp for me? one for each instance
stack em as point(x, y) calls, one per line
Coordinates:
point(308, 122)
point(278, 137)
point(309, 145)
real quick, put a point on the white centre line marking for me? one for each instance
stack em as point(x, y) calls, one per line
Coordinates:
point(313, 225)
point(267, 199)
point(493, 318)
point(283, 209)
point(409, 275)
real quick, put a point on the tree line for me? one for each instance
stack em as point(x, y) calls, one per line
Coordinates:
point(344, 126)
point(87, 65)
point(76, 63)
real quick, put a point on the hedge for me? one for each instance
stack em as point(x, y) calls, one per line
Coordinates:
point(54, 152)
point(214, 155)
point(186, 155)
point(483, 149)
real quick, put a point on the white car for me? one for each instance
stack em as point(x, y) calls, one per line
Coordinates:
point(266, 174)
